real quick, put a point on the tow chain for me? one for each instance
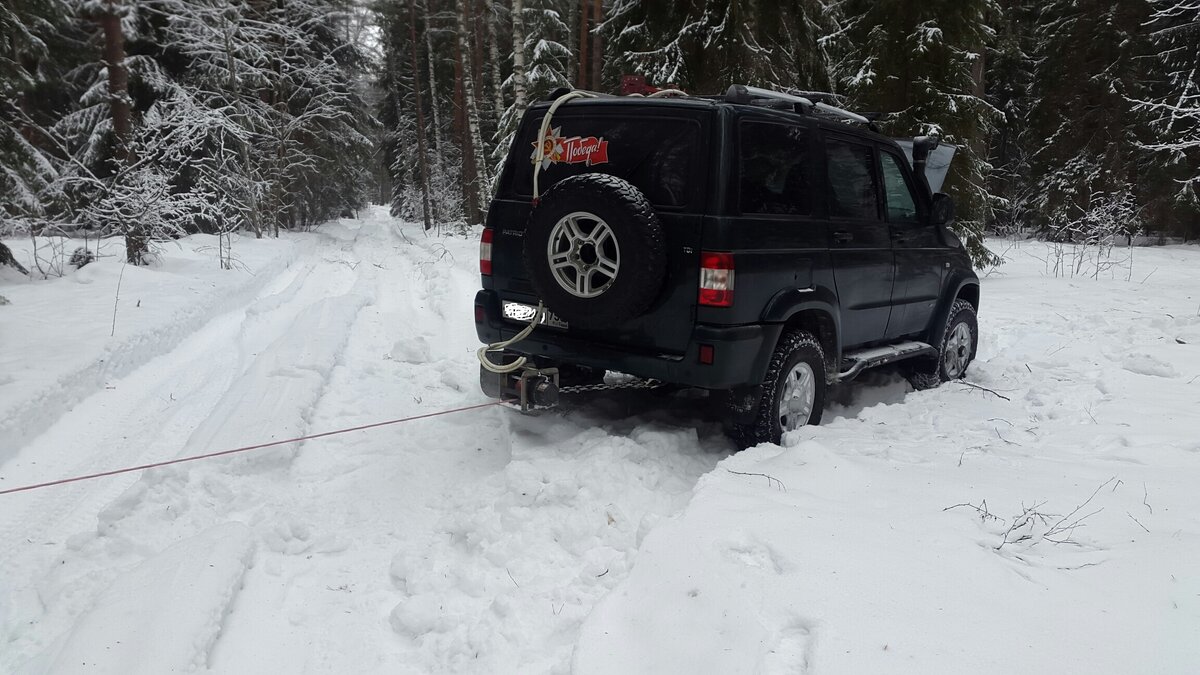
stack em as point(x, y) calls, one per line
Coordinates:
point(604, 386)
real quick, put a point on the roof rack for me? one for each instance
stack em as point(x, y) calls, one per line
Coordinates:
point(740, 93)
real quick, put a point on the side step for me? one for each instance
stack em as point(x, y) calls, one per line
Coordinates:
point(862, 359)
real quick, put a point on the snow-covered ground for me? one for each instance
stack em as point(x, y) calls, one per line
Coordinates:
point(614, 536)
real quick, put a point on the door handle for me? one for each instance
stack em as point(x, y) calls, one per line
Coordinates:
point(843, 237)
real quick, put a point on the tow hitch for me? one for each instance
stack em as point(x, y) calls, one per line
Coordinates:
point(528, 389)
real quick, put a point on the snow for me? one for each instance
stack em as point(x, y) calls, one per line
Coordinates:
point(63, 344)
point(855, 547)
point(166, 614)
point(912, 532)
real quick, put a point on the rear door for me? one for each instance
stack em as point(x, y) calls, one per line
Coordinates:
point(661, 151)
point(860, 241)
point(920, 257)
point(775, 230)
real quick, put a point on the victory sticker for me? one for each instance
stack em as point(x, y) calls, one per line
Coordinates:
point(575, 150)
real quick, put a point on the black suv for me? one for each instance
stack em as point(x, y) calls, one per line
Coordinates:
point(758, 244)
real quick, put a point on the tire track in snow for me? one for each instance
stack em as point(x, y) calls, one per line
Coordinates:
point(43, 408)
point(367, 504)
point(134, 428)
point(518, 525)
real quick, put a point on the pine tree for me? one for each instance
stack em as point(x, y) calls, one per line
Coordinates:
point(1009, 75)
point(28, 174)
point(1173, 109)
point(923, 65)
point(546, 35)
point(707, 45)
point(1088, 69)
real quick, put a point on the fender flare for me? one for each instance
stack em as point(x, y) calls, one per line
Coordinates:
point(786, 304)
point(938, 325)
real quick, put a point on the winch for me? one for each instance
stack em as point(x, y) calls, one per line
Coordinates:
point(528, 387)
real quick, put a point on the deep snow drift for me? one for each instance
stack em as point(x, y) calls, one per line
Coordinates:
point(1049, 527)
point(913, 532)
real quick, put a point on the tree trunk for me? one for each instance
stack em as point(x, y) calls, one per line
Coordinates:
point(597, 55)
point(136, 245)
point(434, 109)
point(473, 145)
point(460, 127)
point(581, 80)
point(422, 156)
point(478, 37)
point(520, 83)
point(118, 74)
point(494, 57)
point(437, 143)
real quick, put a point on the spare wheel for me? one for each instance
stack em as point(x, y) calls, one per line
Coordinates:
point(594, 250)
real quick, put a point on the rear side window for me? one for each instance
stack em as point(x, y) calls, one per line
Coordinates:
point(852, 185)
point(658, 155)
point(901, 207)
point(774, 169)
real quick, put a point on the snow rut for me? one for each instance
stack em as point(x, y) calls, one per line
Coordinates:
point(36, 411)
point(519, 559)
point(477, 542)
point(206, 395)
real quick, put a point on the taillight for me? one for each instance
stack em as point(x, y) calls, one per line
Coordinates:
point(716, 279)
point(485, 252)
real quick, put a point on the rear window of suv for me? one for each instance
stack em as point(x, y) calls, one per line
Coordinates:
point(658, 155)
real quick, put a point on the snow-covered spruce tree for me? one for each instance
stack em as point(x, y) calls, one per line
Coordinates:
point(707, 45)
point(224, 54)
point(142, 190)
point(1087, 153)
point(402, 112)
point(547, 56)
point(27, 172)
point(923, 65)
point(541, 62)
point(96, 133)
point(282, 77)
point(1009, 73)
point(1173, 108)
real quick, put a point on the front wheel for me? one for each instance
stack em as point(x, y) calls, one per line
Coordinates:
point(959, 342)
point(793, 391)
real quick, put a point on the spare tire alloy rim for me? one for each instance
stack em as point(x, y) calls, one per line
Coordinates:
point(583, 254)
point(796, 400)
point(958, 350)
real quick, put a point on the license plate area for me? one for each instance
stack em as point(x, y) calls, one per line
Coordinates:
point(523, 313)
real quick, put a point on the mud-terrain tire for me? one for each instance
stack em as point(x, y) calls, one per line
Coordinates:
point(798, 355)
point(603, 230)
point(959, 343)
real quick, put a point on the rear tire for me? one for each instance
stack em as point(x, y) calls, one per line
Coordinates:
point(793, 391)
point(955, 353)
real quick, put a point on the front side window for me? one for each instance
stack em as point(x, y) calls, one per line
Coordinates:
point(901, 207)
point(774, 169)
point(852, 186)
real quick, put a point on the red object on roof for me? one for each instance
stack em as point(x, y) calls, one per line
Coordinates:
point(636, 84)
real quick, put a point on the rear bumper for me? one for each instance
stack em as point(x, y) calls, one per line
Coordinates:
point(741, 352)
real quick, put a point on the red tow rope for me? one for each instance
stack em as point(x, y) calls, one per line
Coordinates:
point(247, 448)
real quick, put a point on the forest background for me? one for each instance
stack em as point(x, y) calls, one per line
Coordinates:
point(1078, 120)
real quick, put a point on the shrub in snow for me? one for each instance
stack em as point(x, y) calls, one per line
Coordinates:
point(82, 257)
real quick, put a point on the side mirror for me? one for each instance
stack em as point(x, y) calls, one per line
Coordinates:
point(943, 209)
point(942, 216)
